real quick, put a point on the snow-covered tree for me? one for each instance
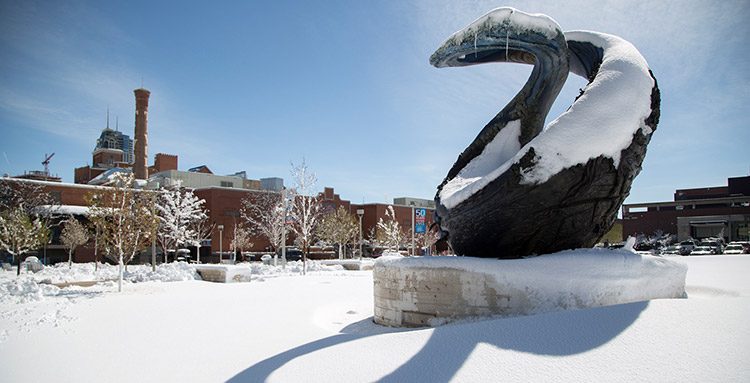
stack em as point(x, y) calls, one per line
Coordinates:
point(389, 231)
point(21, 233)
point(265, 215)
point(306, 207)
point(425, 240)
point(338, 227)
point(242, 239)
point(73, 234)
point(201, 230)
point(126, 220)
point(178, 210)
point(28, 196)
point(27, 208)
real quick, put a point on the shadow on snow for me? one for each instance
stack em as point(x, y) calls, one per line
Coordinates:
point(555, 334)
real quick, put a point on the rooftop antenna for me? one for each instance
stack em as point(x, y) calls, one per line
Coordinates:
point(107, 117)
point(117, 123)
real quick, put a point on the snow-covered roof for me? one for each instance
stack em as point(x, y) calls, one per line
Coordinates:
point(108, 176)
point(64, 209)
point(52, 183)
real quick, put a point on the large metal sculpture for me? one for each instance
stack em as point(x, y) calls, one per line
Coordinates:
point(521, 189)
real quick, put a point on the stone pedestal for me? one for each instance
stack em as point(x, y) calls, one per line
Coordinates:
point(423, 291)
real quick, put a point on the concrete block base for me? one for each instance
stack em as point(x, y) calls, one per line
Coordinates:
point(423, 291)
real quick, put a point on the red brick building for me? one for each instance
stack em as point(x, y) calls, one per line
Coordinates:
point(695, 213)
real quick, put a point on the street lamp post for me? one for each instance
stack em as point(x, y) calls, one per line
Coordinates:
point(283, 230)
point(360, 213)
point(413, 244)
point(221, 237)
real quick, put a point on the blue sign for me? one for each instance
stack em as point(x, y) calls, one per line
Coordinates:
point(420, 216)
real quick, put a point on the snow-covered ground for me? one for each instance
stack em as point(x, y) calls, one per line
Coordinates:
point(286, 327)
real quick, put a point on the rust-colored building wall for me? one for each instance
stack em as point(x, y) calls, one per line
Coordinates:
point(331, 201)
point(82, 175)
point(701, 193)
point(224, 208)
point(107, 158)
point(665, 219)
point(163, 162)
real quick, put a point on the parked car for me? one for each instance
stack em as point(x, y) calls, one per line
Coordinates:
point(645, 249)
point(292, 254)
point(734, 248)
point(714, 245)
point(32, 264)
point(671, 250)
point(703, 250)
point(686, 247)
point(182, 255)
point(745, 246)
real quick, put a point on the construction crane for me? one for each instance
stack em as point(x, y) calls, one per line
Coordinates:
point(46, 163)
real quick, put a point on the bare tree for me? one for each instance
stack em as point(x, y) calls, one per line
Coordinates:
point(389, 231)
point(305, 211)
point(73, 234)
point(265, 215)
point(338, 227)
point(20, 233)
point(125, 217)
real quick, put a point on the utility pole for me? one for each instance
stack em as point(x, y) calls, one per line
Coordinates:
point(360, 213)
point(221, 237)
point(283, 228)
point(413, 243)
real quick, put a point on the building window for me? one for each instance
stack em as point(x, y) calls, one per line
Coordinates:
point(227, 184)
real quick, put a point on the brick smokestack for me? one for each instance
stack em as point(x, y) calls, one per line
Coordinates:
point(141, 133)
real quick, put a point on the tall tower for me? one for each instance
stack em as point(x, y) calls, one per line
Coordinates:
point(141, 133)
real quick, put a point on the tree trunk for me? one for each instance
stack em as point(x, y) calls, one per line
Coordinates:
point(119, 279)
point(304, 258)
point(18, 268)
point(96, 257)
point(198, 254)
point(70, 259)
point(341, 255)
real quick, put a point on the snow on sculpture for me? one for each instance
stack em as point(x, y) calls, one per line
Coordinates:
point(521, 188)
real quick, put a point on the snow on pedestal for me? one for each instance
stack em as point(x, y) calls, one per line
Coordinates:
point(422, 291)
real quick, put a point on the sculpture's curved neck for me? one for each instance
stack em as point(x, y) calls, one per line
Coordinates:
point(533, 102)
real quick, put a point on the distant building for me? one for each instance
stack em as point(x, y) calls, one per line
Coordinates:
point(416, 202)
point(195, 180)
point(721, 211)
point(115, 149)
point(272, 183)
point(113, 139)
point(39, 175)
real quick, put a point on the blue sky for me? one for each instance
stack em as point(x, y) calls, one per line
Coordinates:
point(253, 85)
